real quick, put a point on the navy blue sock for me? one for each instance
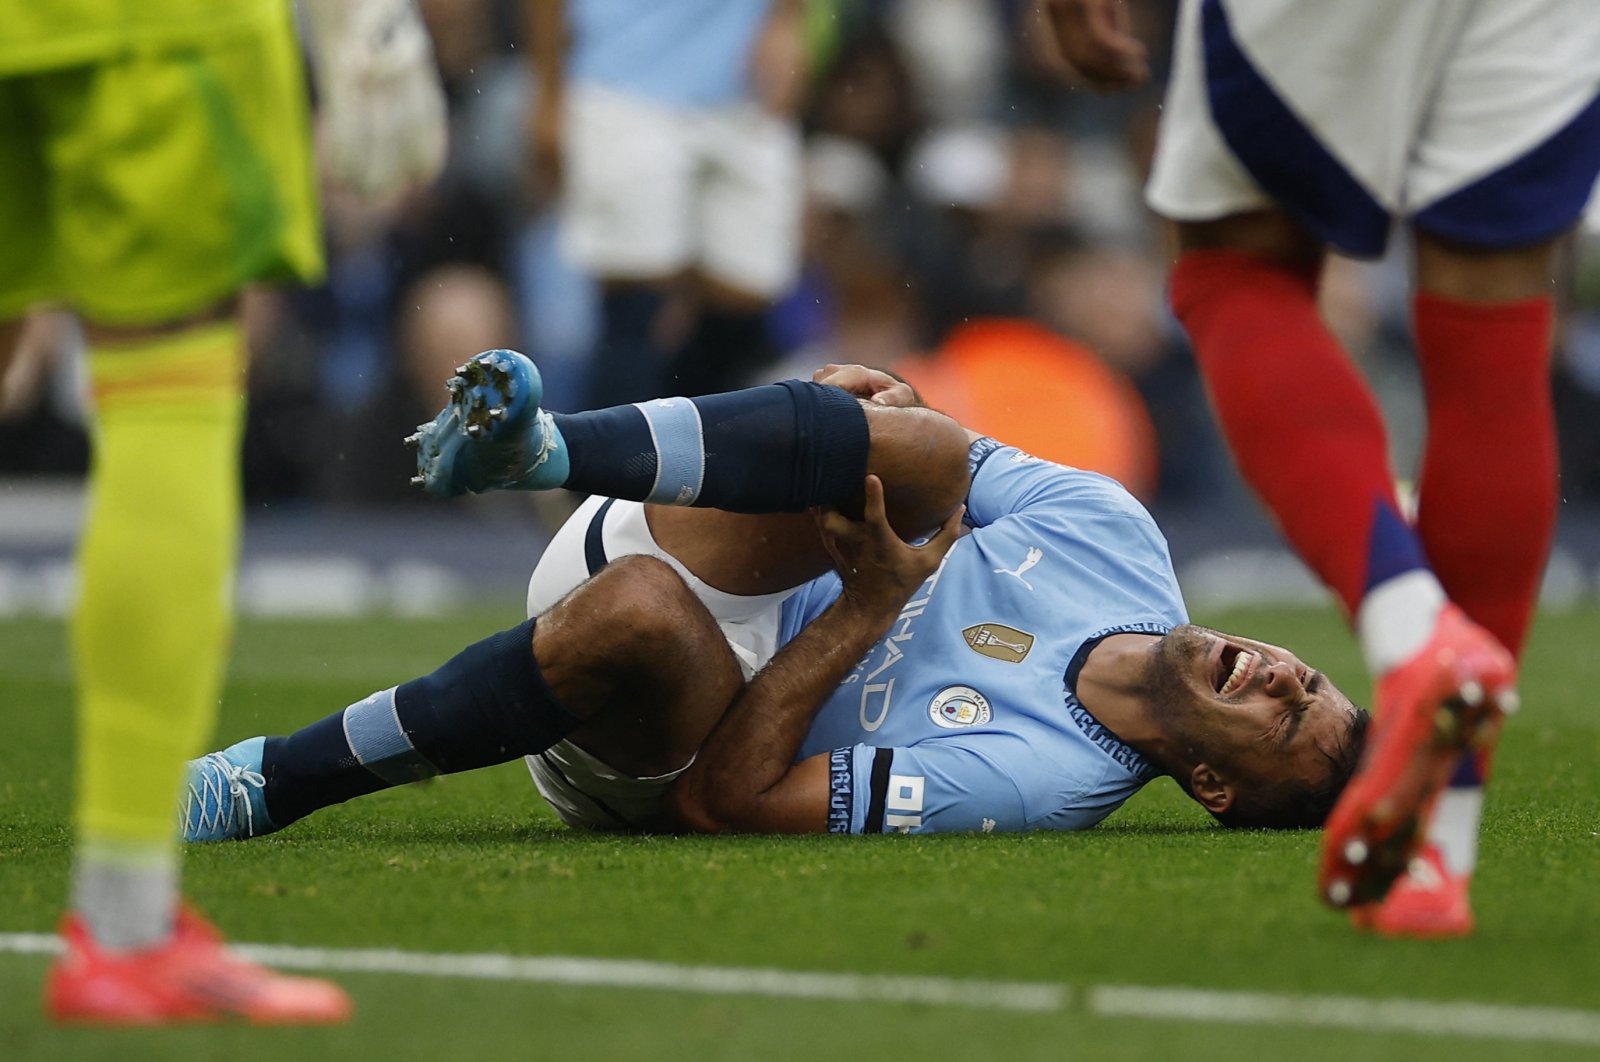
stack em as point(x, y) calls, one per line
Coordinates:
point(489, 704)
point(628, 364)
point(724, 351)
point(780, 448)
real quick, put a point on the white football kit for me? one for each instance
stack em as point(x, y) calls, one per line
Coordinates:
point(1476, 120)
point(671, 161)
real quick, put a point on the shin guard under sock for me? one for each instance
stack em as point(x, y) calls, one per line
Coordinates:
point(489, 704)
point(1488, 493)
point(778, 448)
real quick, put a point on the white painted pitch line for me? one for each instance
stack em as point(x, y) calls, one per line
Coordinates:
point(1464, 1020)
point(708, 980)
point(30, 943)
point(1476, 1021)
point(634, 973)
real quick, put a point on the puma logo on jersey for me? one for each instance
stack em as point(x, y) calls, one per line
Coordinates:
point(1035, 555)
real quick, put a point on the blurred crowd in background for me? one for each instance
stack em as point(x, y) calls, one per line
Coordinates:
point(969, 217)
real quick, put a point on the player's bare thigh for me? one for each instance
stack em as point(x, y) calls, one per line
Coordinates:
point(1270, 233)
point(1485, 274)
point(1446, 268)
point(636, 655)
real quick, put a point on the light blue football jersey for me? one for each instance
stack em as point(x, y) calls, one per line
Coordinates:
point(963, 717)
point(687, 52)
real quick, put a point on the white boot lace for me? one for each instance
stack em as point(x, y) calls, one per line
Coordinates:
point(205, 804)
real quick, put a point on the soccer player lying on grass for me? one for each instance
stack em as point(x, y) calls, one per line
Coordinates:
point(694, 668)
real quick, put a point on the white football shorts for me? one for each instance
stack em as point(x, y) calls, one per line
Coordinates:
point(582, 790)
point(589, 794)
point(1476, 120)
point(652, 189)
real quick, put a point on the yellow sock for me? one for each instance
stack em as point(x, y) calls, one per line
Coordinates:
point(155, 566)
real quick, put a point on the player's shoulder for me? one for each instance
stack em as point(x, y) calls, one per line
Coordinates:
point(992, 459)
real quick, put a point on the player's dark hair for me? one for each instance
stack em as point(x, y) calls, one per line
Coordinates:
point(1292, 804)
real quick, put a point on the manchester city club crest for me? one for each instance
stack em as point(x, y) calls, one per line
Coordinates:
point(958, 707)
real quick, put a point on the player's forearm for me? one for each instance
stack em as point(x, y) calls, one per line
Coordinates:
point(736, 780)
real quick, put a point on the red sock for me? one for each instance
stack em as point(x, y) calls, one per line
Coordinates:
point(1488, 493)
point(1300, 420)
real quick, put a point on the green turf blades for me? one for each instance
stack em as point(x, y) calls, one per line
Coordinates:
point(1154, 897)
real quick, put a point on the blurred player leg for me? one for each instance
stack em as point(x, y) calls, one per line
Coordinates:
point(629, 363)
point(1486, 509)
point(728, 346)
point(633, 236)
point(1302, 424)
point(150, 637)
point(1242, 139)
point(1483, 328)
point(751, 183)
point(152, 624)
point(1505, 157)
point(174, 177)
point(1246, 294)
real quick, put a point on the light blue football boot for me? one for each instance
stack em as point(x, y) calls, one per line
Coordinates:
point(224, 795)
point(491, 435)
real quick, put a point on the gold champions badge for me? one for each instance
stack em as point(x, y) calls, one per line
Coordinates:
point(999, 642)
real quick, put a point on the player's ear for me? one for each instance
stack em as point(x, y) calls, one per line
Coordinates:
point(1214, 792)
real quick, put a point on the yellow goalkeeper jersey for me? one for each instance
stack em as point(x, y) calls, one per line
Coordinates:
point(44, 34)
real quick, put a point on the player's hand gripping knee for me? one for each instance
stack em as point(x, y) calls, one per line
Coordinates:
point(879, 570)
point(873, 385)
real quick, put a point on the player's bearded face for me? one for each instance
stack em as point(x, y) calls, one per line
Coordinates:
point(1250, 709)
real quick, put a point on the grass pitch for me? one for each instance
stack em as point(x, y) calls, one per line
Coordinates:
point(1154, 897)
